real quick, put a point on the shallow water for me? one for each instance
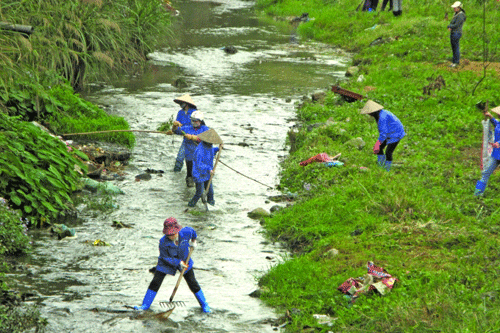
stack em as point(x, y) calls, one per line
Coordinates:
point(249, 99)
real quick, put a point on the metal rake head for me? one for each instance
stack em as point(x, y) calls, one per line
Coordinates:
point(172, 305)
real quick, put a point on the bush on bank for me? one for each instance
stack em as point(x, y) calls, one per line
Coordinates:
point(38, 172)
point(420, 221)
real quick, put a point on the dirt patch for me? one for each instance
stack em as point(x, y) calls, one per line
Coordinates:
point(473, 66)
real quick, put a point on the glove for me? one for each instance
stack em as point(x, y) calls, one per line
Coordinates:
point(192, 243)
point(176, 124)
point(191, 137)
point(183, 265)
point(376, 148)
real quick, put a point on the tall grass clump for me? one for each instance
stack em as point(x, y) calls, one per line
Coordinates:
point(92, 39)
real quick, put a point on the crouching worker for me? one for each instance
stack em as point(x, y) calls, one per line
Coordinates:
point(494, 160)
point(203, 165)
point(174, 250)
point(390, 129)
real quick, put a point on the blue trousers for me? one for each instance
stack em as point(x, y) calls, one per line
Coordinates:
point(179, 161)
point(200, 188)
point(188, 276)
point(390, 149)
point(455, 46)
point(488, 170)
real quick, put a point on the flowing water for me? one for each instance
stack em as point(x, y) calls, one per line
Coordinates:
point(249, 98)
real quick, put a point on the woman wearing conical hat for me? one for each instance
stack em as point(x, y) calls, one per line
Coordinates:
point(203, 165)
point(495, 154)
point(190, 132)
point(184, 118)
point(390, 129)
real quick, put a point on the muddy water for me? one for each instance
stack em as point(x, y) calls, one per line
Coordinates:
point(249, 98)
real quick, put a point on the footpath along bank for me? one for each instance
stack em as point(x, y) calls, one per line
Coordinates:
point(420, 221)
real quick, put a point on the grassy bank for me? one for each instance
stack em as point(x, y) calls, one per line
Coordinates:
point(420, 221)
point(48, 51)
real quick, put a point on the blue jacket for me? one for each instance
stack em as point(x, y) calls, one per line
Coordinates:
point(496, 151)
point(190, 144)
point(457, 22)
point(390, 127)
point(203, 161)
point(171, 255)
point(183, 117)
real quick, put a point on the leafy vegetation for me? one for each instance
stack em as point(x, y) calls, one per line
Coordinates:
point(63, 112)
point(21, 319)
point(37, 172)
point(420, 221)
point(14, 230)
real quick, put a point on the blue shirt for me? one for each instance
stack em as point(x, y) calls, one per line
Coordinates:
point(185, 117)
point(190, 145)
point(171, 255)
point(390, 127)
point(496, 151)
point(203, 161)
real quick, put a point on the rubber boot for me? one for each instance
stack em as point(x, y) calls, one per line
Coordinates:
point(388, 165)
point(203, 303)
point(148, 300)
point(190, 182)
point(381, 160)
point(480, 187)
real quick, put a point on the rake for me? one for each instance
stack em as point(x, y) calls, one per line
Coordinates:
point(171, 304)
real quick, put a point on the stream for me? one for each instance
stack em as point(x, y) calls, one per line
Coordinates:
point(249, 98)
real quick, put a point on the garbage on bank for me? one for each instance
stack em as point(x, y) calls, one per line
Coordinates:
point(376, 280)
point(324, 158)
point(62, 231)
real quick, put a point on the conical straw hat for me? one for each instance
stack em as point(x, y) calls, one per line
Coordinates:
point(496, 110)
point(210, 136)
point(371, 107)
point(185, 98)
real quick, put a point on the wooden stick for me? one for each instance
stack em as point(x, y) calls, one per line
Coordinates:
point(334, 157)
point(115, 131)
point(204, 195)
point(182, 274)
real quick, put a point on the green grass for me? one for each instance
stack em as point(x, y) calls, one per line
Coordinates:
point(420, 221)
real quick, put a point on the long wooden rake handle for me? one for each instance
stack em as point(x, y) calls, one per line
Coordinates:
point(204, 195)
point(182, 274)
point(116, 131)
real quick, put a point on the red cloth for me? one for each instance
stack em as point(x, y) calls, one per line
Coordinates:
point(323, 157)
point(376, 148)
